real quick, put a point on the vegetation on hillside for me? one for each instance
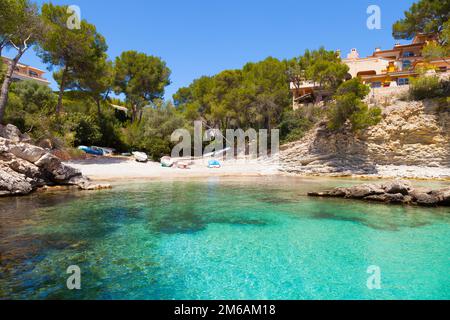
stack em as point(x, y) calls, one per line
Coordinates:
point(348, 106)
point(428, 87)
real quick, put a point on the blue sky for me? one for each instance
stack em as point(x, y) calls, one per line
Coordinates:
point(204, 37)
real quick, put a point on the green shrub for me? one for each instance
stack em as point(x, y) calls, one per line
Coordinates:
point(152, 134)
point(29, 104)
point(295, 124)
point(427, 87)
point(348, 106)
point(80, 129)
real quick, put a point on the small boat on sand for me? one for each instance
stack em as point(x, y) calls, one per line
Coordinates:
point(92, 150)
point(140, 156)
point(182, 165)
point(167, 162)
point(108, 151)
point(214, 164)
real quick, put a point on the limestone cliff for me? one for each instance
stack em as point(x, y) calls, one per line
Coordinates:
point(412, 140)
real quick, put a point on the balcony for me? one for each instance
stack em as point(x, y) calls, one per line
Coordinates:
point(21, 75)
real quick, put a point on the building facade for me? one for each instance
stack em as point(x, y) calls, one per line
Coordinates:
point(25, 72)
point(384, 68)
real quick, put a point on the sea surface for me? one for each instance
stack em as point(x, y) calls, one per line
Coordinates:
point(221, 238)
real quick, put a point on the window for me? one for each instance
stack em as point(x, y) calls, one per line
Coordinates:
point(407, 54)
point(376, 84)
point(406, 64)
point(33, 74)
point(403, 81)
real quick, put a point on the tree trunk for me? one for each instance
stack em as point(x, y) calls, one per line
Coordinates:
point(133, 113)
point(6, 84)
point(99, 110)
point(61, 92)
point(2, 45)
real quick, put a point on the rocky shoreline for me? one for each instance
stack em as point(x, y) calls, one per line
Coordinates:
point(25, 167)
point(396, 192)
point(411, 142)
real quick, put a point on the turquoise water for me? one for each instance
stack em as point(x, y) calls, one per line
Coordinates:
point(259, 238)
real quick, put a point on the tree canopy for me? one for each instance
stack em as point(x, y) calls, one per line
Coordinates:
point(96, 81)
point(320, 66)
point(441, 48)
point(348, 106)
point(74, 51)
point(425, 16)
point(141, 78)
point(20, 29)
point(254, 96)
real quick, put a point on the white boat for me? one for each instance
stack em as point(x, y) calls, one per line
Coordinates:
point(140, 156)
point(167, 162)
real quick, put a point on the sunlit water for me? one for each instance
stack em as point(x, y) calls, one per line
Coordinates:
point(258, 238)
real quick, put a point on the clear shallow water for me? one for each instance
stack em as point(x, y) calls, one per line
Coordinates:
point(259, 238)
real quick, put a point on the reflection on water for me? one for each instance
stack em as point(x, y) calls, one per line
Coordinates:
point(221, 238)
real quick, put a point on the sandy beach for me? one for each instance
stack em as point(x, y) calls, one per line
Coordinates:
point(121, 168)
point(116, 168)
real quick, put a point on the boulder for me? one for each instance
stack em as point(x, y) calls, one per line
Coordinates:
point(391, 192)
point(27, 152)
point(85, 184)
point(363, 191)
point(397, 186)
point(388, 198)
point(58, 171)
point(442, 196)
point(10, 132)
point(423, 197)
point(13, 183)
point(25, 167)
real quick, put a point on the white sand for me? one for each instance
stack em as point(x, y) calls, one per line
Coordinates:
point(116, 168)
point(120, 168)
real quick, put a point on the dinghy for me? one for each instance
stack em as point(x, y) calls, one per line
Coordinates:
point(167, 162)
point(214, 164)
point(91, 150)
point(140, 156)
point(182, 165)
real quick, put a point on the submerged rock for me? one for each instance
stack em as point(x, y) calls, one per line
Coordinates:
point(25, 167)
point(398, 191)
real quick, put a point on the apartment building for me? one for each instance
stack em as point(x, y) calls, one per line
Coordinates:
point(26, 72)
point(384, 68)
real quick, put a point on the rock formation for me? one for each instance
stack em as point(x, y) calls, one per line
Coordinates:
point(392, 192)
point(411, 141)
point(25, 167)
